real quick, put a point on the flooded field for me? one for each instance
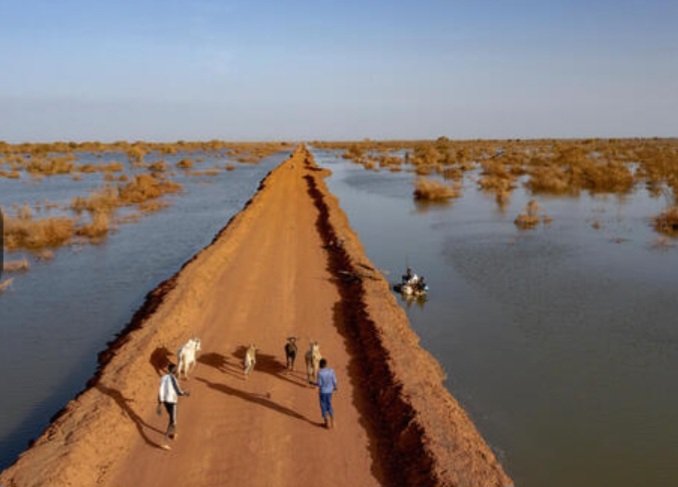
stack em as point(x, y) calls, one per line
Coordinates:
point(561, 341)
point(56, 317)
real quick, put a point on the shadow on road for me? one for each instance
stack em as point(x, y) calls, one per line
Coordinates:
point(124, 404)
point(259, 399)
point(269, 364)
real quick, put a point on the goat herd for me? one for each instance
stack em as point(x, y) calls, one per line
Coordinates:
point(188, 352)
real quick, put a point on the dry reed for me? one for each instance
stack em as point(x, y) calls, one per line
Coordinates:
point(432, 190)
point(18, 265)
point(667, 222)
point(4, 285)
point(530, 216)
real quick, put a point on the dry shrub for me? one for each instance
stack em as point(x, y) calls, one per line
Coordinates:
point(152, 206)
point(136, 154)
point(213, 171)
point(609, 177)
point(370, 165)
point(530, 216)
point(97, 228)
point(667, 222)
point(18, 265)
point(50, 167)
point(253, 152)
point(389, 161)
point(10, 174)
point(425, 169)
point(100, 201)
point(354, 152)
point(45, 254)
point(26, 232)
point(230, 167)
point(425, 154)
point(106, 168)
point(158, 166)
point(432, 190)
point(4, 285)
point(129, 218)
point(185, 164)
point(551, 179)
point(145, 187)
point(502, 198)
point(451, 172)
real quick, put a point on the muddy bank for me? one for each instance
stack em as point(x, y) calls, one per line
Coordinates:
point(424, 437)
point(429, 437)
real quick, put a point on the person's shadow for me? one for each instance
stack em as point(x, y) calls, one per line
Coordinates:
point(124, 404)
point(259, 399)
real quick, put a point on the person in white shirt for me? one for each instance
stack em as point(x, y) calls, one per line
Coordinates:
point(168, 394)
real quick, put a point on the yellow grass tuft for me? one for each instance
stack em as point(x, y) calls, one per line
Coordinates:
point(45, 254)
point(4, 285)
point(105, 168)
point(26, 232)
point(99, 201)
point(432, 190)
point(152, 206)
point(97, 228)
point(213, 171)
point(16, 265)
point(530, 216)
point(145, 187)
point(10, 174)
point(158, 166)
point(667, 222)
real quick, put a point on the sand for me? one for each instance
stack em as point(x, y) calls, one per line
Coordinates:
point(288, 264)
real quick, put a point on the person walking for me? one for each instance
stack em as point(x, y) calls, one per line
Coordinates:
point(327, 385)
point(168, 395)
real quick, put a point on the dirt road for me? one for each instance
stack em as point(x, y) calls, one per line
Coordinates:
point(288, 265)
point(266, 430)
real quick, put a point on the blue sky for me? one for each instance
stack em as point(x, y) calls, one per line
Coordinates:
point(167, 70)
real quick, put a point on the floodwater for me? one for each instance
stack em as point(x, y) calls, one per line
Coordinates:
point(561, 342)
point(56, 317)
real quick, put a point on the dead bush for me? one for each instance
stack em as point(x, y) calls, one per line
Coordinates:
point(432, 190)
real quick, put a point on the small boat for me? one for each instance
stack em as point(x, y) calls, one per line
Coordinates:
point(411, 285)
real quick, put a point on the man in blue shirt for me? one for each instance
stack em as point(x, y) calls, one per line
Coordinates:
point(327, 384)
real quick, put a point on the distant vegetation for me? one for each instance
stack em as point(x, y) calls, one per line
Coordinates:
point(544, 166)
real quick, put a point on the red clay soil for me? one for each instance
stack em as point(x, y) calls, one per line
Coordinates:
point(289, 264)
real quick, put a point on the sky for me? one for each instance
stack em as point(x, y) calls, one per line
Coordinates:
point(323, 69)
